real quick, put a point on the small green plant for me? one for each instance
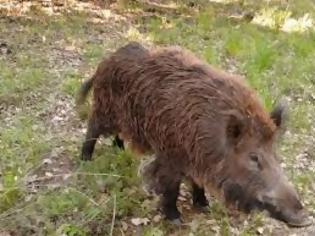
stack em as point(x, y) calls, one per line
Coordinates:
point(71, 230)
point(72, 82)
point(46, 190)
point(94, 53)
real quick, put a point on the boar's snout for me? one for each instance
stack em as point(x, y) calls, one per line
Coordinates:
point(283, 203)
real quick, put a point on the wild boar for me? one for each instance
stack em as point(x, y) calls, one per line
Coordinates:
point(201, 123)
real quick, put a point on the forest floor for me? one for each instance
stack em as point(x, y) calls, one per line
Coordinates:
point(48, 48)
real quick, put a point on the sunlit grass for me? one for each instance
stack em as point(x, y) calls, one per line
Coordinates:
point(22, 145)
point(276, 64)
point(16, 83)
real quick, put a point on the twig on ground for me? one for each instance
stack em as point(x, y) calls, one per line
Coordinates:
point(114, 217)
point(73, 174)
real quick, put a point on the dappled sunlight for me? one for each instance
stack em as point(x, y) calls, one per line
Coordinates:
point(22, 8)
point(301, 24)
point(134, 34)
point(274, 18)
point(97, 13)
point(14, 8)
point(224, 1)
point(169, 4)
point(48, 47)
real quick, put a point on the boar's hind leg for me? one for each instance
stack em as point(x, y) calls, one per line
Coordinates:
point(199, 199)
point(94, 130)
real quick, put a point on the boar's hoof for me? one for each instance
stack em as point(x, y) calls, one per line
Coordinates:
point(301, 219)
point(172, 215)
point(86, 157)
point(176, 222)
point(201, 204)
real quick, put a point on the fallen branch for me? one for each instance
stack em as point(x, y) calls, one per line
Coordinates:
point(113, 218)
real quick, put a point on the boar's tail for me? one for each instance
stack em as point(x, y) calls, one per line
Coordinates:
point(84, 91)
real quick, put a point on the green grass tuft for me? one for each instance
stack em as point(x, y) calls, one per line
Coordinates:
point(82, 200)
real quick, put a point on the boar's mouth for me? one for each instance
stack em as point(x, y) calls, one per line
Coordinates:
point(292, 217)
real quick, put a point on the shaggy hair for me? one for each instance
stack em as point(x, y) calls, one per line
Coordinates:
point(167, 102)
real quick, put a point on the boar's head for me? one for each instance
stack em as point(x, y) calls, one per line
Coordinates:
point(251, 176)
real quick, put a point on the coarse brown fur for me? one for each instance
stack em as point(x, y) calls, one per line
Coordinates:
point(168, 102)
point(172, 103)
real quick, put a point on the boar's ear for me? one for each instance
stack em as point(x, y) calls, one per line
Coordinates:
point(279, 114)
point(235, 128)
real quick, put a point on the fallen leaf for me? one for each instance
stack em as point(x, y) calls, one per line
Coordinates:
point(49, 174)
point(140, 221)
point(124, 225)
point(157, 218)
point(47, 161)
point(260, 230)
point(66, 176)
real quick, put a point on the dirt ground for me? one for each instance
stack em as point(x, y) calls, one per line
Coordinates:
point(47, 48)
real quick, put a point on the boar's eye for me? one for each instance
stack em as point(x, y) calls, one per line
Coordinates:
point(255, 159)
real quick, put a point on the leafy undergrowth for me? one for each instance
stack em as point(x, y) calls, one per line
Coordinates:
point(46, 190)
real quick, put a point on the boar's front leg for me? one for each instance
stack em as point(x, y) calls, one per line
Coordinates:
point(199, 199)
point(168, 181)
point(93, 132)
point(169, 199)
